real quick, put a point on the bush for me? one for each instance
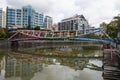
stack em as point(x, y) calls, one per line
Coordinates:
point(2, 34)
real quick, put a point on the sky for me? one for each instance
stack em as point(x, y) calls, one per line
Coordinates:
point(95, 11)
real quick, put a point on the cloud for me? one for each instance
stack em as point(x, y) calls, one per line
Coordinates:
point(40, 5)
point(3, 4)
point(58, 72)
point(95, 11)
point(98, 11)
point(117, 6)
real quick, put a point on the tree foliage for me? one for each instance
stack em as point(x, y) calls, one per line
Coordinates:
point(112, 31)
point(37, 28)
point(117, 21)
point(30, 28)
point(2, 34)
point(92, 36)
point(113, 27)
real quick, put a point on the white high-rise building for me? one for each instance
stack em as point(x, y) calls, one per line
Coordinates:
point(2, 19)
point(48, 21)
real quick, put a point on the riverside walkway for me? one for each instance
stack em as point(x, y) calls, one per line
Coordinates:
point(111, 64)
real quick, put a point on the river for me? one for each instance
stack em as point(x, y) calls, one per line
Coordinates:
point(34, 61)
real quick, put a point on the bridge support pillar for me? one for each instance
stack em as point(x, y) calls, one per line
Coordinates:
point(14, 45)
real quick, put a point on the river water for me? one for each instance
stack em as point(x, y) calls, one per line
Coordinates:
point(52, 62)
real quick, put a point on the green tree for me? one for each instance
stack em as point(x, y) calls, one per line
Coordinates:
point(28, 27)
point(37, 28)
point(112, 30)
point(2, 34)
point(117, 20)
point(92, 36)
point(114, 26)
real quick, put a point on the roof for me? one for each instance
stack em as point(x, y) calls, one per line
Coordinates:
point(75, 16)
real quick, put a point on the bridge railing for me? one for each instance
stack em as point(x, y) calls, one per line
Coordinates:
point(67, 34)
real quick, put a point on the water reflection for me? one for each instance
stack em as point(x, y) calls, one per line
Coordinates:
point(56, 62)
point(17, 66)
point(66, 50)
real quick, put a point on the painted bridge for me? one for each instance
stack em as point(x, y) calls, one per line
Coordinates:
point(24, 35)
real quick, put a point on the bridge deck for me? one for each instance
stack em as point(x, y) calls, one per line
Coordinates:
point(60, 35)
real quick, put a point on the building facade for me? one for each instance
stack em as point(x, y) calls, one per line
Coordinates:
point(48, 21)
point(2, 19)
point(26, 17)
point(77, 22)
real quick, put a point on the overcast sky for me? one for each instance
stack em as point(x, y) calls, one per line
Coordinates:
point(95, 11)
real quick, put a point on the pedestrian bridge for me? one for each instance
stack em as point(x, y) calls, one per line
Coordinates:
point(24, 35)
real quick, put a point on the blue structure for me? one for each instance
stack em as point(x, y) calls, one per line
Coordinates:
point(25, 17)
point(10, 21)
point(108, 41)
point(41, 22)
